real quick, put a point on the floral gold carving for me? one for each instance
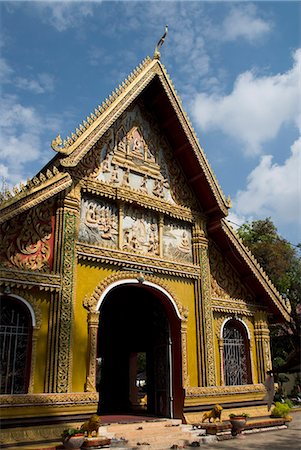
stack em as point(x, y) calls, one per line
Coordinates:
point(225, 283)
point(64, 355)
point(26, 241)
point(207, 312)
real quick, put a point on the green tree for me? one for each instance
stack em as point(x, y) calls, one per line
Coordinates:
point(282, 263)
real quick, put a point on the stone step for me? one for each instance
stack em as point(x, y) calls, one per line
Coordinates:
point(158, 435)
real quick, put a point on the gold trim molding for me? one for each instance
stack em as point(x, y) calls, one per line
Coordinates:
point(56, 400)
point(224, 390)
point(134, 261)
point(28, 280)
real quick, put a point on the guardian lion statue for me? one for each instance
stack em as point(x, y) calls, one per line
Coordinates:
point(214, 414)
point(91, 425)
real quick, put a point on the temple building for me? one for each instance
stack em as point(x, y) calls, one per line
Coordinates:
point(123, 288)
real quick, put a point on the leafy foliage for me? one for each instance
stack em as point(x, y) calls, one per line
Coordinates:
point(280, 410)
point(282, 263)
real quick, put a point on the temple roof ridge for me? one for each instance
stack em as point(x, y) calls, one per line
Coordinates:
point(227, 201)
point(63, 146)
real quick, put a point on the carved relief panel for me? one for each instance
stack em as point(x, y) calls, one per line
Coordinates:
point(98, 222)
point(26, 242)
point(140, 231)
point(134, 154)
point(177, 241)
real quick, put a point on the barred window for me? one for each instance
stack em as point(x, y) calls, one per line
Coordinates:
point(15, 344)
point(236, 354)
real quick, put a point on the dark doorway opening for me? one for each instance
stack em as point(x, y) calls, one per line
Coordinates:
point(138, 350)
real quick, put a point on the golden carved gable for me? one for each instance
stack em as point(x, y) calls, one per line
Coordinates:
point(225, 283)
point(133, 154)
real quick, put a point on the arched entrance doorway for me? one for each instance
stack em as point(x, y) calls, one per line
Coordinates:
point(139, 353)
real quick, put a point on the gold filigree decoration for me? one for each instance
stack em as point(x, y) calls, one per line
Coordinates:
point(224, 390)
point(26, 241)
point(225, 283)
point(61, 400)
point(207, 311)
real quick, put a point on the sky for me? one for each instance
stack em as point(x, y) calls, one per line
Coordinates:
point(235, 65)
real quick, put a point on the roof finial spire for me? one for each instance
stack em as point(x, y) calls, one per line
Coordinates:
point(160, 43)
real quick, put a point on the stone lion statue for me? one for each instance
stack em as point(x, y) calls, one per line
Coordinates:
point(91, 425)
point(214, 414)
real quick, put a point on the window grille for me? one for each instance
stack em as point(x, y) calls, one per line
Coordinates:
point(235, 357)
point(15, 333)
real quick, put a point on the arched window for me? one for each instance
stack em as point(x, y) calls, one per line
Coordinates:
point(236, 354)
point(15, 344)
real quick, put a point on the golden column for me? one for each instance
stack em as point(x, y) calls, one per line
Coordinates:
point(207, 373)
point(221, 359)
point(59, 360)
point(93, 321)
point(262, 341)
point(184, 352)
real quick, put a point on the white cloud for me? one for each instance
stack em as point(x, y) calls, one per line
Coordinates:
point(63, 15)
point(256, 109)
point(6, 71)
point(243, 22)
point(43, 83)
point(21, 138)
point(273, 190)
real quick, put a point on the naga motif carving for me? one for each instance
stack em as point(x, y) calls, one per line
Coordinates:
point(26, 241)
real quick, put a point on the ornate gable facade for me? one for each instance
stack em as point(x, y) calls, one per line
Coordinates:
point(129, 217)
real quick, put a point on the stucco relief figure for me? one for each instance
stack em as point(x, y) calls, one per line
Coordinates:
point(136, 143)
point(99, 223)
point(106, 164)
point(177, 242)
point(158, 190)
point(126, 177)
point(143, 186)
point(140, 233)
point(153, 240)
point(150, 152)
point(184, 244)
point(121, 140)
point(115, 174)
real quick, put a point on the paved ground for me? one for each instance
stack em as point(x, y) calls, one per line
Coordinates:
point(289, 439)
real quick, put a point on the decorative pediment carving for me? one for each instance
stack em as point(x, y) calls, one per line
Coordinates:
point(134, 154)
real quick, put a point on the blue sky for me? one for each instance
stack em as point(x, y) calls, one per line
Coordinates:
point(236, 67)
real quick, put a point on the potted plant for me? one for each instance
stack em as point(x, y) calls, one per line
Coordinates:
point(73, 438)
point(238, 422)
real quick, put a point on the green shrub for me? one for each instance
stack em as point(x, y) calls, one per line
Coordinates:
point(280, 410)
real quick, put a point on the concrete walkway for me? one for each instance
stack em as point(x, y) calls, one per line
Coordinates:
point(289, 439)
